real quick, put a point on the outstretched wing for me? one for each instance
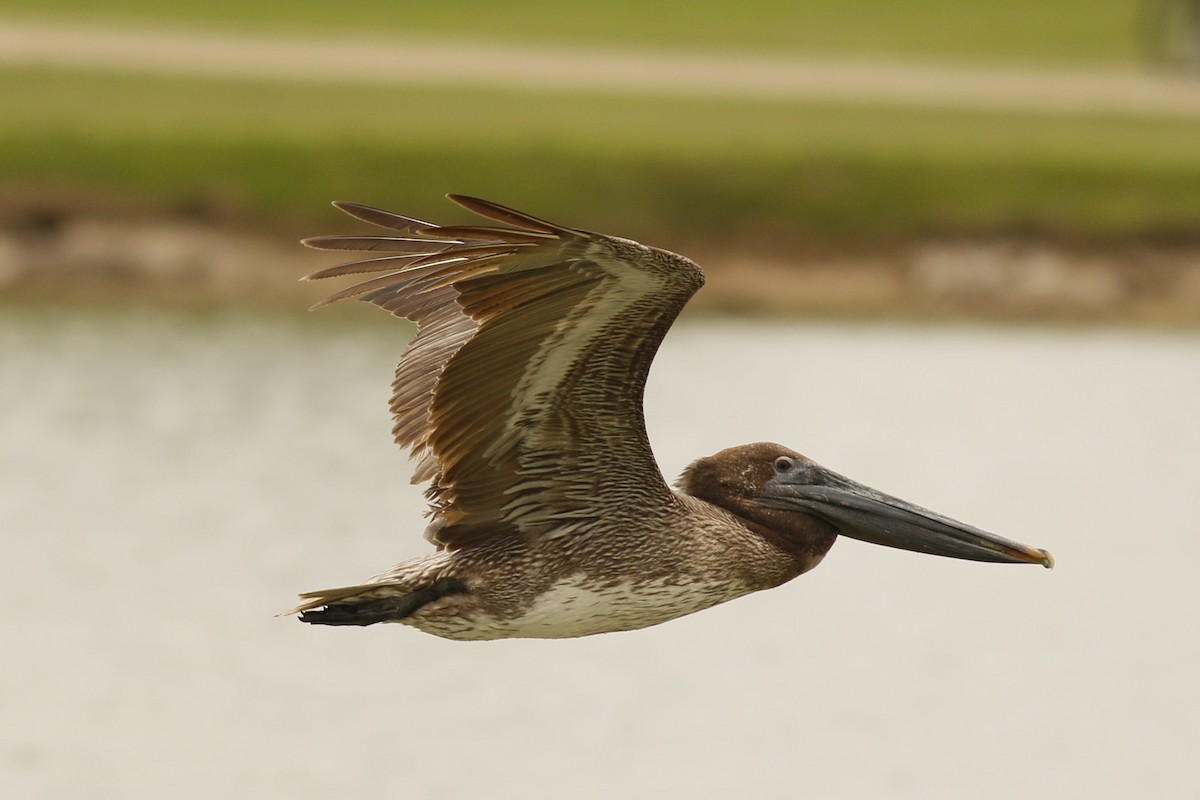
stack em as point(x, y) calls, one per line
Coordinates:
point(520, 397)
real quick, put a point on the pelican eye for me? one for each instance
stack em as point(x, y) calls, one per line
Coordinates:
point(783, 464)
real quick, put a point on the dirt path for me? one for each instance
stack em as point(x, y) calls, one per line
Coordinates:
point(1112, 91)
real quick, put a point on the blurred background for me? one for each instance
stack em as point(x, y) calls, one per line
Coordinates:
point(1013, 159)
point(952, 250)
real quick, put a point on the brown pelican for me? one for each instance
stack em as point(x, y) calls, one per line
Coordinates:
point(520, 398)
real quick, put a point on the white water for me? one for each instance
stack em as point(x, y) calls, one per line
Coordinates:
point(169, 482)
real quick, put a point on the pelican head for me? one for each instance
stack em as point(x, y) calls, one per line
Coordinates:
point(806, 505)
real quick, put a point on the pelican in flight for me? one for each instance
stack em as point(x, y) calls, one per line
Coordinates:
point(520, 399)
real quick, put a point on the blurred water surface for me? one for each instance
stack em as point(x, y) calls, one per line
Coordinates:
point(169, 482)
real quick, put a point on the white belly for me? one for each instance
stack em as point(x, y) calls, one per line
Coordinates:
point(568, 609)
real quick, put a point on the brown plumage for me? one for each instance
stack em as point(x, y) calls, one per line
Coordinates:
point(520, 398)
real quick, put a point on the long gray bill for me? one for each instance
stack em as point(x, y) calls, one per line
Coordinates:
point(861, 512)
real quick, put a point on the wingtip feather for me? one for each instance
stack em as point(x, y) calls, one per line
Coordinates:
point(509, 216)
point(379, 216)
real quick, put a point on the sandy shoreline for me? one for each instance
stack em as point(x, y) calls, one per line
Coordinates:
point(89, 257)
